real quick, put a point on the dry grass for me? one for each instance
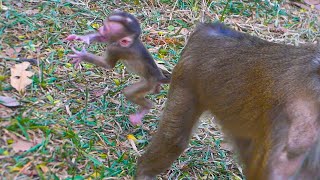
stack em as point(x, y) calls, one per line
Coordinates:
point(78, 119)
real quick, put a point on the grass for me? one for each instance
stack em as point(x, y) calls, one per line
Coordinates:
point(79, 118)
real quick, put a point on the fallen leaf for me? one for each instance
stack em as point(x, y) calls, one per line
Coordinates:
point(114, 101)
point(20, 76)
point(171, 28)
point(9, 101)
point(4, 8)
point(95, 175)
point(13, 52)
point(131, 137)
point(65, 10)
point(26, 171)
point(19, 4)
point(22, 145)
point(32, 11)
point(173, 41)
point(184, 31)
point(117, 81)
point(10, 52)
point(15, 169)
point(5, 112)
point(95, 25)
point(44, 168)
point(281, 30)
point(132, 141)
point(29, 173)
point(68, 110)
point(226, 146)
point(100, 92)
point(18, 49)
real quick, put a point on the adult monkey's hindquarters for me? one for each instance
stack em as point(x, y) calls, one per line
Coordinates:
point(264, 95)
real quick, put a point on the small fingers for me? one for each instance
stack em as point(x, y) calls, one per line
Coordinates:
point(86, 40)
point(73, 55)
point(74, 50)
point(84, 50)
point(75, 61)
point(78, 38)
point(71, 37)
point(77, 64)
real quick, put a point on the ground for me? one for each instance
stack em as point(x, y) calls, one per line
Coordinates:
point(73, 123)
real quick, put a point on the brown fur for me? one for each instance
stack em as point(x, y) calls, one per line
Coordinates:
point(265, 96)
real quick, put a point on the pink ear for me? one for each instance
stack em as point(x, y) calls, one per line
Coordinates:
point(126, 41)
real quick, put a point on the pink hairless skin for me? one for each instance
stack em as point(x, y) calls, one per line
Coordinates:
point(95, 37)
point(122, 31)
point(78, 56)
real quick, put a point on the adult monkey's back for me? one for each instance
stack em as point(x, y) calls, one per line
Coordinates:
point(265, 96)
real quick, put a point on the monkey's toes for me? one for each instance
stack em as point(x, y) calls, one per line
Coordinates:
point(136, 119)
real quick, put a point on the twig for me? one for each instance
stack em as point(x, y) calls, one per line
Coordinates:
point(32, 61)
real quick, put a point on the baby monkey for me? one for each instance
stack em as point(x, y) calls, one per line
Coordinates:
point(122, 31)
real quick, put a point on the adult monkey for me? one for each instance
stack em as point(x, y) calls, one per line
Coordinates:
point(265, 96)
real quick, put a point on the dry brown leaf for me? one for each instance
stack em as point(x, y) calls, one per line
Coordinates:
point(22, 145)
point(10, 52)
point(9, 101)
point(65, 10)
point(5, 112)
point(44, 168)
point(29, 173)
point(20, 76)
point(132, 141)
point(114, 101)
point(281, 30)
point(184, 31)
point(226, 146)
point(26, 170)
point(18, 49)
point(32, 11)
point(3, 7)
point(100, 92)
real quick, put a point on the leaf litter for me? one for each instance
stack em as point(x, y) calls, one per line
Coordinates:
point(20, 77)
point(86, 132)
